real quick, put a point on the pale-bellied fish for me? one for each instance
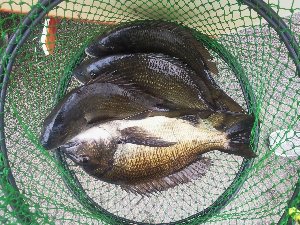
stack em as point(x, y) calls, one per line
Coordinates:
point(97, 102)
point(156, 153)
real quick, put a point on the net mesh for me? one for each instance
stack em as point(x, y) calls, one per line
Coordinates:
point(255, 69)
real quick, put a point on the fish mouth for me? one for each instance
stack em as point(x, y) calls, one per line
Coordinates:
point(70, 151)
point(80, 160)
point(47, 144)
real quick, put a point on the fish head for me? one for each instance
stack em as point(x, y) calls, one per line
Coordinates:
point(63, 122)
point(99, 49)
point(91, 148)
point(107, 44)
point(85, 70)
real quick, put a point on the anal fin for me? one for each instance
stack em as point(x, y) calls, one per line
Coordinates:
point(192, 172)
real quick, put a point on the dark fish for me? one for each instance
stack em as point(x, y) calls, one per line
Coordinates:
point(156, 74)
point(95, 103)
point(156, 153)
point(154, 37)
point(170, 39)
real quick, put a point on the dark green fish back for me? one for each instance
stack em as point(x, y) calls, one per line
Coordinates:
point(170, 39)
point(154, 37)
point(156, 74)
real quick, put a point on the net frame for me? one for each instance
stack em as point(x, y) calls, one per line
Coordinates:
point(41, 9)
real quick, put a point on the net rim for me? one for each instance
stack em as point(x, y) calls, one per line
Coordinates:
point(44, 6)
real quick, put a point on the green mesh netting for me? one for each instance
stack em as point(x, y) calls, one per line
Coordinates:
point(257, 58)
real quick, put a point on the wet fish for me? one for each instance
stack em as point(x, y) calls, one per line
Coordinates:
point(156, 153)
point(95, 103)
point(156, 74)
point(170, 39)
point(154, 37)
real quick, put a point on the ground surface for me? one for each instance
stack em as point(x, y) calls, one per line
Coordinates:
point(260, 200)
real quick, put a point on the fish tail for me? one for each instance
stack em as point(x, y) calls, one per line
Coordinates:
point(225, 102)
point(238, 134)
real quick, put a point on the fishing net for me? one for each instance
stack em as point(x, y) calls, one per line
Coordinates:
point(257, 55)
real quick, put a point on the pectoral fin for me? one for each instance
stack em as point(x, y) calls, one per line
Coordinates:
point(90, 119)
point(192, 172)
point(138, 136)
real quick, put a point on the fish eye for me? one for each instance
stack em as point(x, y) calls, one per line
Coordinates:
point(59, 119)
point(93, 75)
point(84, 159)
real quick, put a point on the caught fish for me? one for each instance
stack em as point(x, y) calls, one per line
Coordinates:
point(167, 38)
point(156, 153)
point(156, 74)
point(154, 37)
point(95, 103)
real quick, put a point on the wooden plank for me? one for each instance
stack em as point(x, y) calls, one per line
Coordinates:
point(227, 19)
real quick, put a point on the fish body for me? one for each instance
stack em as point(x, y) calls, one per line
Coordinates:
point(156, 74)
point(93, 103)
point(154, 37)
point(166, 38)
point(155, 153)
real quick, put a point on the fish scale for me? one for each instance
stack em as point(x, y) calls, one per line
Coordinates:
point(150, 150)
point(163, 36)
point(151, 74)
point(167, 38)
point(166, 160)
point(94, 103)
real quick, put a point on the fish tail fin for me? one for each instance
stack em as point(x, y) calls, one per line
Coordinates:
point(238, 132)
point(225, 102)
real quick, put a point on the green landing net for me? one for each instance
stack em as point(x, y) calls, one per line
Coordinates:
point(256, 47)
